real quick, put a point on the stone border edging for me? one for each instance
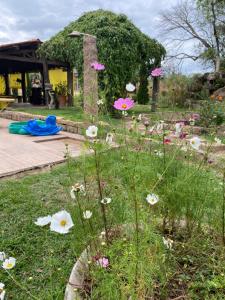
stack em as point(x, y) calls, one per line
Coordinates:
point(67, 125)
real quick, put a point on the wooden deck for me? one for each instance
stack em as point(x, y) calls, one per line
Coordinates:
point(20, 153)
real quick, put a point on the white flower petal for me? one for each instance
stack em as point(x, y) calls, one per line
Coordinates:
point(87, 214)
point(218, 141)
point(72, 194)
point(2, 295)
point(43, 221)
point(2, 285)
point(2, 256)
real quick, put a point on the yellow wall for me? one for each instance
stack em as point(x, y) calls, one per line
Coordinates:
point(55, 76)
point(2, 85)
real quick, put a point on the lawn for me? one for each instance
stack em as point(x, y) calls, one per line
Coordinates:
point(45, 259)
point(76, 113)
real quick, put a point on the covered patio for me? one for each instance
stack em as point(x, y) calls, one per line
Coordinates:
point(21, 58)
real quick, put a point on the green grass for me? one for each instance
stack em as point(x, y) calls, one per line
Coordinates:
point(45, 259)
point(76, 113)
point(69, 113)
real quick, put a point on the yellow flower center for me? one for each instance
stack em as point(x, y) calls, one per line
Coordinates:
point(9, 265)
point(63, 223)
point(124, 106)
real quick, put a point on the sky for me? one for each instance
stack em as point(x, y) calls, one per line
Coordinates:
point(23, 20)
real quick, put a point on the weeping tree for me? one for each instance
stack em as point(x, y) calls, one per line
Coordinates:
point(122, 48)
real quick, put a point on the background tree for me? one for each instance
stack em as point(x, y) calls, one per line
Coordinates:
point(196, 30)
point(121, 47)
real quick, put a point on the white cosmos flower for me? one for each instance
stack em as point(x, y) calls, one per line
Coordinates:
point(178, 129)
point(92, 131)
point(75, 189)
point(218, 141)
point(72, 194)
point(139, 117)
point(100, 102)
point(152, 199)
point(1, 286)
point(61, 222)
point(109, 138)
point(2, 256)
point(42, 221)
point(9, 263)
point(158, 153)
point(160, 125)
point(168, 243)
point(160, 176)
point(195, 143)
point(130, 87)
point(87, 214)
point(106, 200)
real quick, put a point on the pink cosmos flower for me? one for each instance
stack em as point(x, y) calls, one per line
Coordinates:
point(103, 262)
point(97, 66)
point(157, 72)
point(123, 104)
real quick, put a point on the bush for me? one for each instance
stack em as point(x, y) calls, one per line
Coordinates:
point(211, 114)
point(174, 90)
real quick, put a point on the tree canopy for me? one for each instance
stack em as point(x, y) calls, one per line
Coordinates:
point(201, 22)
point(122, 47)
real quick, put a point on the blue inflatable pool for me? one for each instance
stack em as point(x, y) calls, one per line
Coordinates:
point(50, 127)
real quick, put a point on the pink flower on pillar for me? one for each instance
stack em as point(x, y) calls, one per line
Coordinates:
point(157, 72)
point(97, 66)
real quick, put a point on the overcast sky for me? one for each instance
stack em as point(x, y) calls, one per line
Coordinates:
point(26, 19)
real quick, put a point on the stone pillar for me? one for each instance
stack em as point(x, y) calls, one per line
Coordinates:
point(90, 76)
point(155, 93)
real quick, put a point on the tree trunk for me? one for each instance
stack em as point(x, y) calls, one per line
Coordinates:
point(217, 65)
point(215, 32)
point(155, 92)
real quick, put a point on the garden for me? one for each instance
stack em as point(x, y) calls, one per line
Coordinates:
point(140, 214)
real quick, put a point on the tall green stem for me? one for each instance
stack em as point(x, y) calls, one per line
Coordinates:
point(223, 210)
point(97, 168)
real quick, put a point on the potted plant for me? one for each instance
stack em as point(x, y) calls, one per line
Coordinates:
point(61, 92)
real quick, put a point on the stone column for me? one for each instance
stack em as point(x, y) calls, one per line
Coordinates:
point(155, 93)
point(90, 76)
